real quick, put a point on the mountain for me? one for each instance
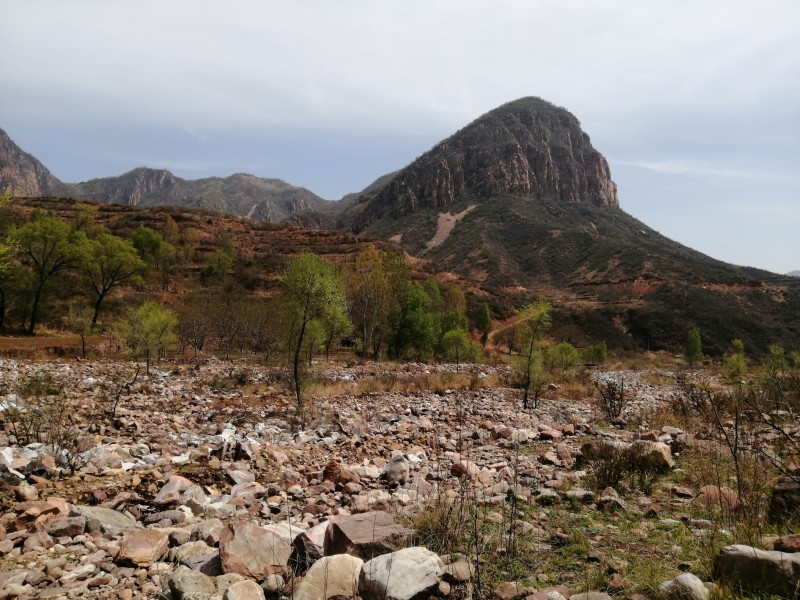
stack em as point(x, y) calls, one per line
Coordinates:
point(794, 273)
point(239, 194)
point(22, 174)
point(519, 201)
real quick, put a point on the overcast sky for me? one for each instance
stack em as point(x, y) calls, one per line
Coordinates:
point(696, 104)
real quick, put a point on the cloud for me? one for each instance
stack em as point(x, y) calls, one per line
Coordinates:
point(695, 169)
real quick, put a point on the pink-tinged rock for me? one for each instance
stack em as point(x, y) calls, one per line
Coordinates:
point(365, 535)
point(511, 590)
point(177, 490)
point(655, 454)
point(568, 429)
point(713, 496)
point(308, 545)
point(38, 541)
point(465, 468)
point(550, 434)
point(66, 526)
point(252, 551)
point(564, 455)
point(788, 543)
point(143, 547)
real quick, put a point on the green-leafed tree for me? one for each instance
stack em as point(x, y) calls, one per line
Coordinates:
point(456, 346)
point(46, 246)
point(563, 356)
point(483, 322)
point(596, 354)
point(734, 364)
point(313, 290)
point(372, 281)
point(535, 320)
point(419, 325)
point(109, 263)
point(148, 331)
point(157, 253)
point(693, 352)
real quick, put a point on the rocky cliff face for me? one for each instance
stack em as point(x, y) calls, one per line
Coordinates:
point(526, 148)
point(22, 175)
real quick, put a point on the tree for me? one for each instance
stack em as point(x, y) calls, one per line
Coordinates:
point(313, 291)
point(734, 364)
point(596, 354)
point(563, 356)
point(456, 346)
point(80, 320)
point(532, 377)
point(534, 321)
point(693, 352)
point(419, 325)
point(110, 262)
point(148, 330)
point(372, 282)
point(47, 246)
point(155, 252)
point(483, 322)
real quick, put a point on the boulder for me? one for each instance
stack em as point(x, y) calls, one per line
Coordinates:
point(787, 543)
point(103, 519)
point(244, 590)
point(511, 590)
point(252, 551)
point(179, 490)
point(143, 547)
point(365, 535)
point(66, 526)
point(407, 574)
point(331, 576)
point(714, 496)
point(184, 582)
point(396, 471)
point(684, 587)
point(308, 546)
point(761, 571)
point(654, 455)
point(785, 500)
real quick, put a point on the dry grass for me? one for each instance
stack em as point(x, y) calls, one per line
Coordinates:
point(434, 383)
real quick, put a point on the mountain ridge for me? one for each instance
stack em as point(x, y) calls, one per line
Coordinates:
point(239, 194)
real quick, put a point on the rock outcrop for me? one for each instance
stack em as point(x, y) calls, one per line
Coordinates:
point(527, 148)
point(22, 174)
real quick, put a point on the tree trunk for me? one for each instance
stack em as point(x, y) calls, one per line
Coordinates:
point(97, 309)
point(35, 308)
point(298, 350)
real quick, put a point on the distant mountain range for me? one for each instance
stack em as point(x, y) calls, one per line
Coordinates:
point(517, 202)
point(794, 273)
point(240, 194)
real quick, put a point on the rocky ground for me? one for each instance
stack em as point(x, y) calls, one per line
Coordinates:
point(195, 481)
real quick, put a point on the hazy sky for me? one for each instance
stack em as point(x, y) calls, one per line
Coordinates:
point(696, 104)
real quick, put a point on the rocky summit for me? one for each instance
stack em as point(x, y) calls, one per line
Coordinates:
point(528, 148)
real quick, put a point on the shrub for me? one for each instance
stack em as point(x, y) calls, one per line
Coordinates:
point(612, 398)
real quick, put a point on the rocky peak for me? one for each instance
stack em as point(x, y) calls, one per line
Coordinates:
point(133, 187)
point(527, 148)
point(22, 174)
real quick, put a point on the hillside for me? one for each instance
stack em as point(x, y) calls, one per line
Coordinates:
point(520, 200)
